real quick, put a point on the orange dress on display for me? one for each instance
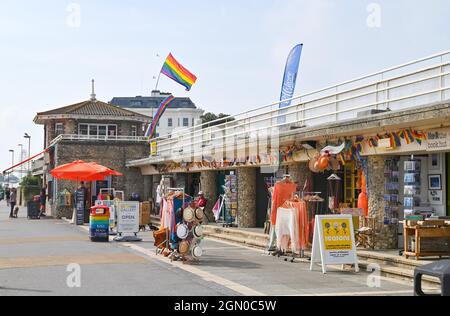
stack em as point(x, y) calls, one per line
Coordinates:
point(362, 198)
point(282, 192)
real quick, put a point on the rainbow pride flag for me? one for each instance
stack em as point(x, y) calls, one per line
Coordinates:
point(175, 71)
point(162, 108)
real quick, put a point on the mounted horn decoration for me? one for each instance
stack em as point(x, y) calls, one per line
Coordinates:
point(333, 150)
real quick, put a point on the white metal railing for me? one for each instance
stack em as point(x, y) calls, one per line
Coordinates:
point(413, 84)
point(103, 138)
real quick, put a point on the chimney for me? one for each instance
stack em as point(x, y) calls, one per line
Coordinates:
point(156, 93)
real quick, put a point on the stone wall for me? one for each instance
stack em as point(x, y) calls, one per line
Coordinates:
point(386, 235)
point(208, 184)
point(299, 173)
point(148, 188)
point(112, 155)
point(246, 179)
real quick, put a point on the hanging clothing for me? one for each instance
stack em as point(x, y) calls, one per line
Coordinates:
point(363, 201)
point(282, 192)
point(287, 229)
point(303, 225)
point(166, 214)
point(159, 194)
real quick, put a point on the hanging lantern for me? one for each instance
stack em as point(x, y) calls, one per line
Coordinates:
point(323, 162)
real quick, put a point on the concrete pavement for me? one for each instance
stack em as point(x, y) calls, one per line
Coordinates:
point(34, 256)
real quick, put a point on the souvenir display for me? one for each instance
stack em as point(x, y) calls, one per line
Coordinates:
point(182, 231)
point(184, 247)
point(189, 215)
point(197, 251)
point(391, 191)
point(231, 199)
point(412, 186)
point(199, 214)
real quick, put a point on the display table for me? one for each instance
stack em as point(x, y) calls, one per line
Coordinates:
point(422, 234)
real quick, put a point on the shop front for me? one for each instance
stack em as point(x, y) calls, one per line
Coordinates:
point(408, 191)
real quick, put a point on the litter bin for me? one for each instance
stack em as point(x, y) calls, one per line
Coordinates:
point(438, 269)
point(33, 210)
point(99, 223)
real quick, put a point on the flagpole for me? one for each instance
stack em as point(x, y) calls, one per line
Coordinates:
point(157, 81)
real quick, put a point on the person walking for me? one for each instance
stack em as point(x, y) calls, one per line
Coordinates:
point(13, 201)
point(42, 200)
point(7, 195)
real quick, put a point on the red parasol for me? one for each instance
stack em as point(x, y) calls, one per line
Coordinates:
point(83, 171)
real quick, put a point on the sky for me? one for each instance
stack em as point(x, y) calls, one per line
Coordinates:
point(51, 49)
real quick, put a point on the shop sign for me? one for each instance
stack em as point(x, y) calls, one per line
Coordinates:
point(334, 241)
point(153, 148)
point(439, 140)
point(435, 197)
point(127, 217)
point(80, 199)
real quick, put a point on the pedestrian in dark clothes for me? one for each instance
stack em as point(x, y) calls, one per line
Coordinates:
point(13, 201)
point(7, 195)
point(42, 200)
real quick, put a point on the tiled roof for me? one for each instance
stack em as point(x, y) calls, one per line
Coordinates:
point(151, 102)
point(90, 107)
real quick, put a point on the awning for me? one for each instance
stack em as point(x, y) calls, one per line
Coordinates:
point(25, 161)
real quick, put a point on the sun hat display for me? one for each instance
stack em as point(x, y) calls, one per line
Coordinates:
point(198, 231)
point(199, 214)
point(183, 247)
point(197, 251)
point(189, 215)
point(182, 231)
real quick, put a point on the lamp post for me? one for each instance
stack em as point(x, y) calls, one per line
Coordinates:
point(21, 159)
point(29, 148)
point(9, 176)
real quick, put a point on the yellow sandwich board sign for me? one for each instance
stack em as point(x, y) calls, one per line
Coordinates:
point(334, 241)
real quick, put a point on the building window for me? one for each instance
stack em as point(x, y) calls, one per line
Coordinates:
point(185, 122)
point(59, 129)
point(112, 130)
point(193, 121)
point(178, 122)
point(170, 122)
point(93, 130)
point(83, 129)
point(97, 130)
point(102, 130)
point(134, 130)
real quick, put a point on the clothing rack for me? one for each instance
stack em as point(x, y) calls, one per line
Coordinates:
point(166, 242)
point(310, 193)
point(222, 211)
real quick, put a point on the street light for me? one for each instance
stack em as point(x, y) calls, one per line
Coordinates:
point(21, 159)
point(9, 176)
point(29, 151)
